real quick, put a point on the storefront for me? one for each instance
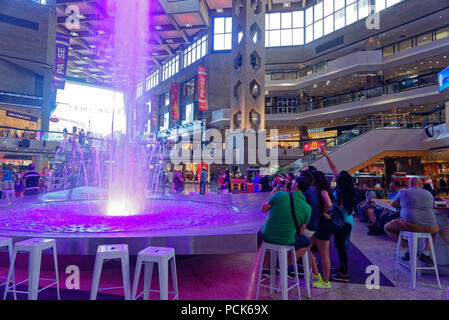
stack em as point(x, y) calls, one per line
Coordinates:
point(436, 166)
point(12, 120)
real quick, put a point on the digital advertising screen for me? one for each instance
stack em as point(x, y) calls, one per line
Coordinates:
point(90, 108)
point(443, 80)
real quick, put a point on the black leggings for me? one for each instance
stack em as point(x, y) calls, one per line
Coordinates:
point(341, 238)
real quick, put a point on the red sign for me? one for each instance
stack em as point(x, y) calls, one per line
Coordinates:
point(174, 100)
point(202, 98)
point(313, 145)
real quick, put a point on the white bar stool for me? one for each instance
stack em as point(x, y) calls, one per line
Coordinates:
point(8, 194)
point(414, 250)
point(7, 242)
point(35, 247)
point(282, 252)
point(107, 253)
point(161, 256)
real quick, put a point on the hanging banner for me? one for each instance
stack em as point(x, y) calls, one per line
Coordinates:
point(202, 98)
point(62, 55)
point(174, 100)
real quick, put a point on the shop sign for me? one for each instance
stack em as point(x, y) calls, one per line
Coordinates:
point(61, 58)
point(21, 116)
point(313, 145)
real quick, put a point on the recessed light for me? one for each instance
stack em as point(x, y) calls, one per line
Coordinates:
point(86, 58)
point(74, 34)
point(155, 54)
point(169, 41)
point(188, 25)
point(100, 32)
point(286, 4)
point(92, 46)
point(220, 10)
point(157, 27)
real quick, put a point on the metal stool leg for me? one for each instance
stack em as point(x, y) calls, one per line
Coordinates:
point(136, 277)
point(10, 273)
point(147, 280)
point(125, 274)
point(96, 277)
point(174, 277)
point(55, 258)
point(34, 273)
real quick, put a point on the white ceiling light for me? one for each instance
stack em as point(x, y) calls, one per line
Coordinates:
point(220, 10)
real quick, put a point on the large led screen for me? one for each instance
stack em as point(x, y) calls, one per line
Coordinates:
point(90, 108)
point(443, 79)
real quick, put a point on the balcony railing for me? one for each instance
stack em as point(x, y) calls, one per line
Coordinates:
point(359, 95)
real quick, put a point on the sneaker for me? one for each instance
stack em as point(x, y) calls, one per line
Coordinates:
point(316, 277)
point(339, 277)
point(266, 272)
point(406, 256)
point(321, 284)
point(291, 274)
point(426, 259)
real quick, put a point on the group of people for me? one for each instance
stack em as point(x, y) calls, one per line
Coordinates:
point(308, 198)
point(416, 213)
point(24, 183)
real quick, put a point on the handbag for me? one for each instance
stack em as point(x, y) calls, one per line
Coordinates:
point(337, 216)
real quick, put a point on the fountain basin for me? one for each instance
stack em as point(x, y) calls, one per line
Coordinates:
point(208, 224)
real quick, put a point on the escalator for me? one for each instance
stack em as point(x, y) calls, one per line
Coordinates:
point(362, 147)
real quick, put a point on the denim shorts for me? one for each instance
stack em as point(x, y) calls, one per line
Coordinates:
point(301, 241)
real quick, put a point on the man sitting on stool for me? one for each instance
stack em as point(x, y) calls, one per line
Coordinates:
point(417, 215)
point(279, 228)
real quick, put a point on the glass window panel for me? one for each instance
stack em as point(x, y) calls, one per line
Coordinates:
point(286, 37)
point(404, 45)
point(219, 42)
point(340, 19)
point(339, 4)
point(380, 5)
point(228, 25)
point(267, 38)
point(392, 2)
point(298, 37)
point(286, 20)
point(318, 11)
point(348, 2)
point(219, 25)
point(203, 48)
point(275, 21)
point(198, 52)
point(328, 24)
point(275, 38)
point(328, 7)
point(228, 41)
point(309, 16)
point(351, 13)
point(309, 33)
point(364, 9)
point(443, 33)
point(267, 20)
point(298, 19)
point(425, 38)
point(318, 29)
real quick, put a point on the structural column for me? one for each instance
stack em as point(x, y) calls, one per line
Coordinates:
point(248, 72)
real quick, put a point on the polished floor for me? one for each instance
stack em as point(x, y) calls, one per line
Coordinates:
point(233, 276)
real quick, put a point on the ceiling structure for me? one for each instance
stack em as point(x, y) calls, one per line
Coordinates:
point(169, 33)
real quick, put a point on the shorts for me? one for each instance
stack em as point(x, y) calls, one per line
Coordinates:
point(325, 229)
point(301, 242)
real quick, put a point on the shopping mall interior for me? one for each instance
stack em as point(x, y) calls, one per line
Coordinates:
point(189, 134)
